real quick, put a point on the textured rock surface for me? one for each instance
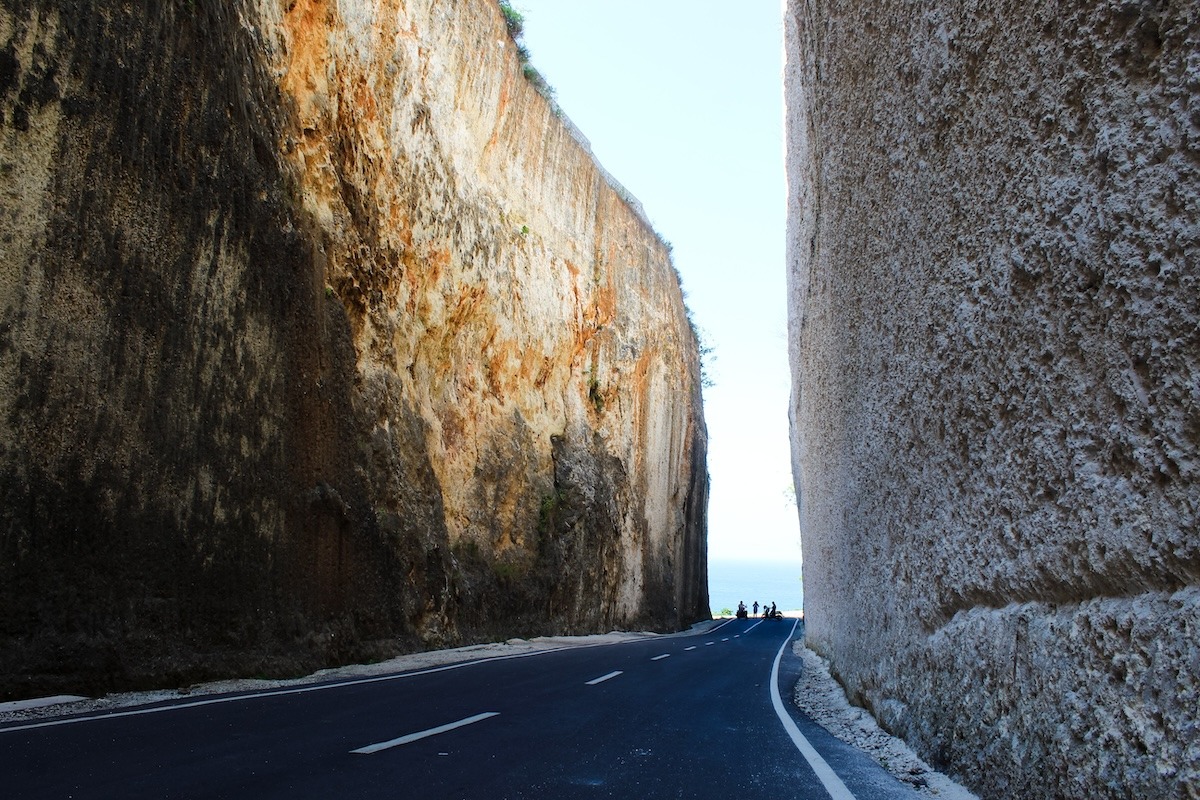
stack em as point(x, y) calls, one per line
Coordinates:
point(995, 336)
point(320, 338)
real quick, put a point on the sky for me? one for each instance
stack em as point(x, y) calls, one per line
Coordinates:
point(682, 102)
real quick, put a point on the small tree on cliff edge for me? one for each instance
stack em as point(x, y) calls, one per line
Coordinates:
point(514, 19)
point(515, 22)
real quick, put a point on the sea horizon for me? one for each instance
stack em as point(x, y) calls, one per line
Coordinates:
point(748, 581)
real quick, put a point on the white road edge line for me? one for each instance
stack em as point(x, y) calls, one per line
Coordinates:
point(40, 702)
point(603, 678)
point(829, 779)
point(660, 658)
point(412, 737)
point(305, 689)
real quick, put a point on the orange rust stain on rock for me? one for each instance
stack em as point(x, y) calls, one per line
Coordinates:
point(470, 298)
point(604, 306)
point(639, 383)
point(636, 398)
point(364, 102)
point(400, 227)
point(544, 371)
point(437, 260)
point(532, 366)
point(596, 316)
point(453, 428)
point(502, 378)
point(306, 25)
point(501, 109)
point(422, 272)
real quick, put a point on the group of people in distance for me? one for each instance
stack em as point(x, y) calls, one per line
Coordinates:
point(769, 612)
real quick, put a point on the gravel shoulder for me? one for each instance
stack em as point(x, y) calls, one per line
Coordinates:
point(822, 698)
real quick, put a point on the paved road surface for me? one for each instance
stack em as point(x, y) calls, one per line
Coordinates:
point(684, 716)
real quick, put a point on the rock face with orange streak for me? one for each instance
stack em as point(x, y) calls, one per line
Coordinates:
point(321, 337)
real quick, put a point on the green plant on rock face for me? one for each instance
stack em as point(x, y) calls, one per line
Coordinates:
point(544, 89)
point(468, 548)
point(514, 20)
point(708, 353)
point(550, 504)
point(508, 571)
point(595, 396)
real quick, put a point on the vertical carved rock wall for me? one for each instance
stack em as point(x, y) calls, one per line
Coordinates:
point(995, 339)
point(320, 338)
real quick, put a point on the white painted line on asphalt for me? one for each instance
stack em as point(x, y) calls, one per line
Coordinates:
point(726, 639)
point(412, 737)
point(709, 644)
point(40, 702)
point(829, 779)
point(693, 647)
point(660, 658)
point(603, 678)
point(320, 687)
point(755, 625)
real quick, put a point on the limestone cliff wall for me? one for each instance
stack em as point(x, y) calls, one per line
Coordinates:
point(995, 337)
point(321, 337)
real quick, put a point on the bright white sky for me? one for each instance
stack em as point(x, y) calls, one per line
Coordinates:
point(682, 103)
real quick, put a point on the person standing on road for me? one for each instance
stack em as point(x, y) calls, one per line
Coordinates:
point(756, 608)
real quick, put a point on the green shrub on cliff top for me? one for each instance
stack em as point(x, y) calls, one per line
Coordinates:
point(514, 19)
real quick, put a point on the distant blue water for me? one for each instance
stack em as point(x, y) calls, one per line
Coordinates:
point(767, 582)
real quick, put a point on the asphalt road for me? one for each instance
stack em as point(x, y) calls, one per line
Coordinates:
point(687, 716)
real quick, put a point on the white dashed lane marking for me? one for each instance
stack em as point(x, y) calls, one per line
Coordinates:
point(412, 737)
point(603, 678)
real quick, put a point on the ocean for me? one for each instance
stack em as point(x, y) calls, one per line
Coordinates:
point(765, 581)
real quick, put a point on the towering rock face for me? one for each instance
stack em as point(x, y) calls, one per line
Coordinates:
point(995, 337)
point(321, 337)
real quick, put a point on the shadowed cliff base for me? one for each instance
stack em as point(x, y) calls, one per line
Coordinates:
point(292, 348)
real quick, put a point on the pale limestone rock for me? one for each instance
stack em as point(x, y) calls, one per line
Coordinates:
point(995, 336)
point(321, 337)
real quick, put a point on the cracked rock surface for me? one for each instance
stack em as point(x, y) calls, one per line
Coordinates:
point(995, 344)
